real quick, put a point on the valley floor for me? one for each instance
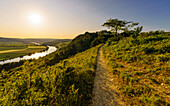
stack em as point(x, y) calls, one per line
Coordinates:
point(12, 52)
point(7, 51)
point(104, 91)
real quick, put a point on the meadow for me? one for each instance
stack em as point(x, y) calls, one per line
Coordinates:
point(10, 48)
point(141, 68)
point(9, 51)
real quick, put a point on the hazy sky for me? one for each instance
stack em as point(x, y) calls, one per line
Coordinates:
point(68, 18)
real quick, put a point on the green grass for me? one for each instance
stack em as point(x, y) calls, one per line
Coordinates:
point(9, 55)
point(13, 44)
point(10, 48)
point(66, 77)
point(141, 68)
point(36, 47)
point(66, 83)
point(62, 44)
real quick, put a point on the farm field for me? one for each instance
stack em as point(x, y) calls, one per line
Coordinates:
point(10, 48)
point(13, 51)
point(6, 51)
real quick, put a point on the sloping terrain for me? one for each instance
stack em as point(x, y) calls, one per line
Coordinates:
point(141, 68)
point(104, 91)
point(68, 82)
point(65, 77)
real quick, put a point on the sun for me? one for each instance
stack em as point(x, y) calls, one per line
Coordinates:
point(35, 18)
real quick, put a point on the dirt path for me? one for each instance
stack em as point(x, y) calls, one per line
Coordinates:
point(104, 89)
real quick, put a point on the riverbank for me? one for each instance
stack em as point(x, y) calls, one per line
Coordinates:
point(10, 54)
point(31, 56)
point(16, 62)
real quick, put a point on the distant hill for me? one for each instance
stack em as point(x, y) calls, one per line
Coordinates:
point(28, 40)
point(12, 40)
point(55, 42)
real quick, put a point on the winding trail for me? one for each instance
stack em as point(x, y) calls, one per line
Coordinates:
point(104, 90)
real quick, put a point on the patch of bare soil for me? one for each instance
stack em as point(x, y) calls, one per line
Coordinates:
point(104, 90)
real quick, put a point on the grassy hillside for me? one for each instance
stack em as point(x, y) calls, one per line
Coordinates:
point(56, 42)
point(64, 77)
point(141, 68)
point(68, 82)
point(78, 44)
point(75, 46)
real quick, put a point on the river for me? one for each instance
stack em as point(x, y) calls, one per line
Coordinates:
point(33, 56)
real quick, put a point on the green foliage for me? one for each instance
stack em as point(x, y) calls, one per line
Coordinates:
point(83, 42)
point(68, 82)
point(56, 42)
point(153, 33)
point(146, 67)
point(51, 80)
point(78, 44)
point(21, 50)
point(62, 44)
point(13, 44)
point(97, 41)
point(136, 32)
point(153, 39)
point(102, 38)
point(117, 25)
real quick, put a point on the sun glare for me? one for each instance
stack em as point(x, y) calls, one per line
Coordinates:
point(35, 18)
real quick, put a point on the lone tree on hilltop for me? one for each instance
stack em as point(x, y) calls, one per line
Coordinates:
point(117, 25)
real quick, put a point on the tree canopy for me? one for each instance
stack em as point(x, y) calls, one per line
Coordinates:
point(117, 25)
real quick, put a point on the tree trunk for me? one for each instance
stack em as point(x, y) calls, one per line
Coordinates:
point(116, 32)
